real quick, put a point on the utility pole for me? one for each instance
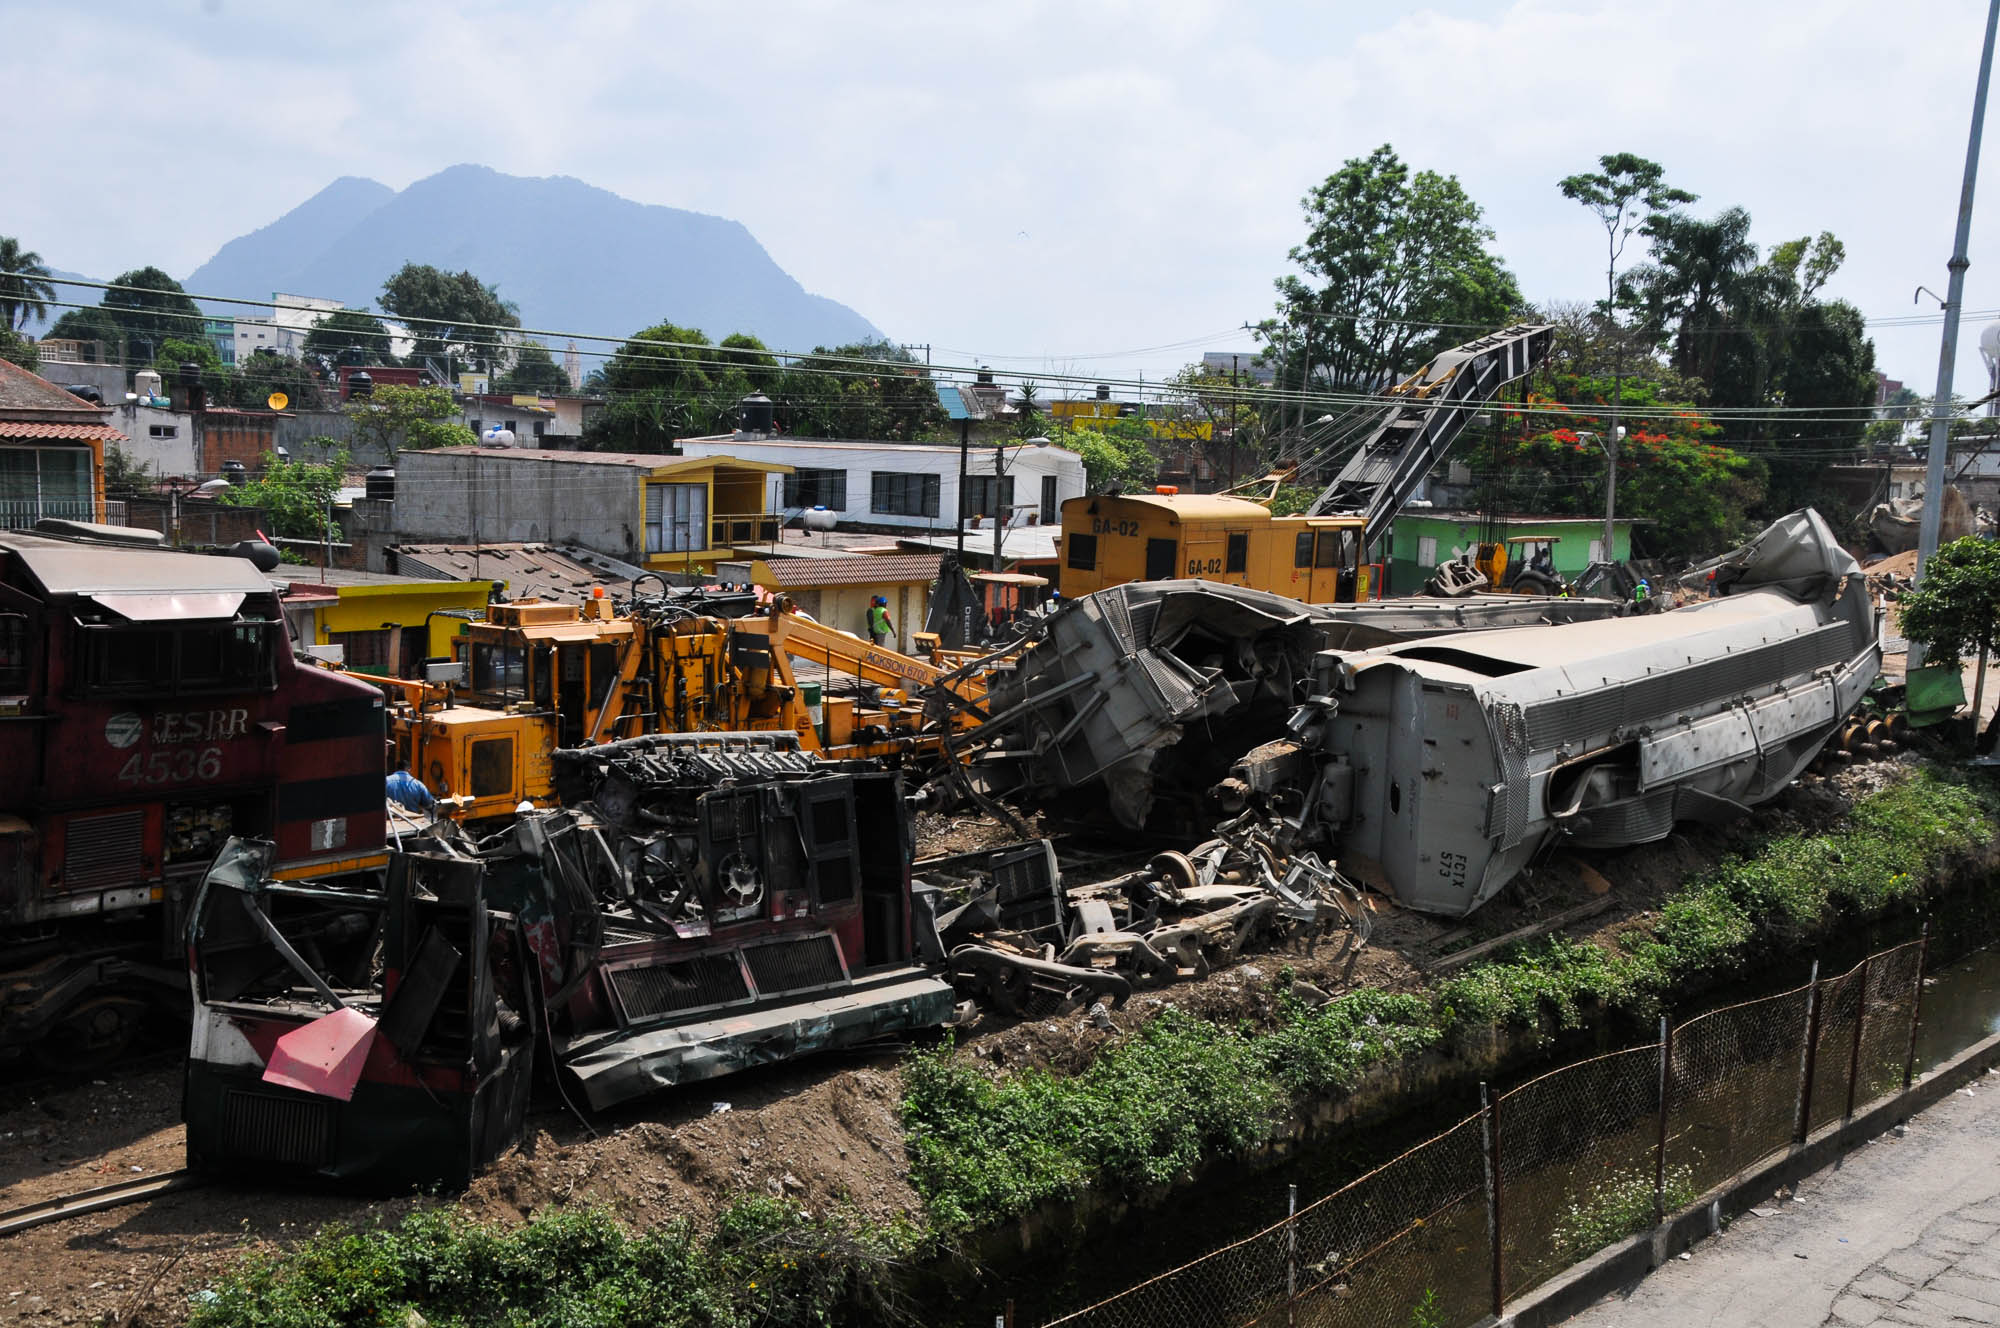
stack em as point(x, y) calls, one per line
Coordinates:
point(1927, 537)
point(964, 446)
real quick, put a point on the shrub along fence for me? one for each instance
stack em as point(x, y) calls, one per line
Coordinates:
point(1551, 1172)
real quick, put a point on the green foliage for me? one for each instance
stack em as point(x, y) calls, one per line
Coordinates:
point(25, 291)
point(1292, 499)
point(1618, 1206)
point(17, 349)
point(136, 319)
point(868, 389)
point(1116, 459)
point(1427, 1313)
point(766, 1264)
point(122, 474)
point(451, 312)
point(335, 336)
point(409, 418)
point(1955, 609)
point(176, 351)
point(1389, 255)
point(295, 495)
point(1147, 1112)
point(986, 1148)
point(1626, 192)
point(534, 372)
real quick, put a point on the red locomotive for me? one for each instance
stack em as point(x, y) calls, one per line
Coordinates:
point(150, 707)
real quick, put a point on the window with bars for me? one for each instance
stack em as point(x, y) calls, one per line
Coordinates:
point(903, 493)
point(808, 487)
point(676, 518)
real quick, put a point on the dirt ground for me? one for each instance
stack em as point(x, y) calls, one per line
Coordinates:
point(825, 1131)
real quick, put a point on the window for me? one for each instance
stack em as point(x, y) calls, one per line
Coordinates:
point(676, 518)
point(541, 428)
point(510, 427)
point(499, 670)
point(1427, 551)
point(37, 482)
point(13, 654)
point(490, 768)
point(902, 493)
point(979, 500)
point(362, 650)
point(1239, 552)
point(1302, 551)
point(164, 661)
point(1051, 510)
point(1335, 548)
point(1080, 552)
point(808, 487)
point(478, 426)
point(162, 430)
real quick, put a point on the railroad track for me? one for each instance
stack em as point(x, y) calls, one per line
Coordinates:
point(66, 1206)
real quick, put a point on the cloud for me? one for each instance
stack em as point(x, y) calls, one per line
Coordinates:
point(1038, 179)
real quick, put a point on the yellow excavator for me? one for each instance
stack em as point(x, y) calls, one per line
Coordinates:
point(1521, 564)
point(538, 676)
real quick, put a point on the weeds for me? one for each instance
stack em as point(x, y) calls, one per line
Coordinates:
point(1616, 1207)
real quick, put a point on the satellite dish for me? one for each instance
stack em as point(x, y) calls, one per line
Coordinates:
point(277, 401)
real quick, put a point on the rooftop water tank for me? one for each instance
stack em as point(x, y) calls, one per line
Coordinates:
point(820, 518)
point(757, 413)
point(361, 383)
point(380, 484)
point(235, 472)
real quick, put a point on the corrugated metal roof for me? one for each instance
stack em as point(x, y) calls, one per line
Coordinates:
point(62, 430)
point(64, 568)
point(809, 573)
point(538, 570)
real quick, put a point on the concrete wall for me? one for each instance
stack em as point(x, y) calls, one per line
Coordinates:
point(162, 441)
point(1026, 465)
point(456, 496)
point(404, 604)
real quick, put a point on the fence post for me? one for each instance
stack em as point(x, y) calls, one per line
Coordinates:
point(1489, 1111)
point(1291, 1253)
point(1660, 1148)
point(1800, 1127)
point(1854, 1054)
point(1917, 1005)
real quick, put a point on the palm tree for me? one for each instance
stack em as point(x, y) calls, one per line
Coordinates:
point(24, 287)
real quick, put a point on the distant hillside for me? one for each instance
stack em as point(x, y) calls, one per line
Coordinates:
point(573, 257)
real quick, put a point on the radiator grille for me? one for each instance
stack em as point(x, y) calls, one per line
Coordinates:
point(105, 851)
point(809, 961)
point(685, 984)
point(261, 1127)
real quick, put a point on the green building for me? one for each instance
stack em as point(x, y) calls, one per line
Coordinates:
point(1421, 540)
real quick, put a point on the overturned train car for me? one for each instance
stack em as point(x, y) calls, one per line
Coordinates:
point(1451, 761)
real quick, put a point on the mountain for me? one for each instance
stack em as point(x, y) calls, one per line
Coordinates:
point(573, 257)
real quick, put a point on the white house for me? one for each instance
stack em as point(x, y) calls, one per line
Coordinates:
point(907, 486)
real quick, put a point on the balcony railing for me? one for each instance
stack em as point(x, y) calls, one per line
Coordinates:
point(22, 513)
point(726, 530)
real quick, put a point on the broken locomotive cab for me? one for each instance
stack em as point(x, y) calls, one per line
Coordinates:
point(704, 906)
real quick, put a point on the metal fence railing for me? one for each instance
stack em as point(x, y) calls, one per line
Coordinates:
point(1556, 1169)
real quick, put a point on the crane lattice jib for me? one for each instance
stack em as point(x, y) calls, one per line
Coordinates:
point(1428, 410)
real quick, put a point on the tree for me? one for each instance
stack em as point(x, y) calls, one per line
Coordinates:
point(334, 337)
point(1954, 611)
point(144, 308)
point(660, 384)
point(17, 349)
point(452, 312)
point(1626, 193)
point(1389, 256)
point(25, 289)
point(268, 371)
point(414, 419)
point(865, 389)
point(534, 371)
point(1117, 458)
point(297, 496)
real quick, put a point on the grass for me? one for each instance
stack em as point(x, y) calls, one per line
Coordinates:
point(985, 1148)
point(764, 1263)
point(1615, 1208)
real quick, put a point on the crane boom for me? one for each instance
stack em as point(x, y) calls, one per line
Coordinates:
point(1428, 410)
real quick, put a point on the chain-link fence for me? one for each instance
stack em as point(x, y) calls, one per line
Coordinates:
point(1554, 1170)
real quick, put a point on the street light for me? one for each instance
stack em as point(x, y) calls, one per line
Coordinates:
point(1000, 504)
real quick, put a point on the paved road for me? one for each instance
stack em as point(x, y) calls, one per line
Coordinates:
point(1907, 1231)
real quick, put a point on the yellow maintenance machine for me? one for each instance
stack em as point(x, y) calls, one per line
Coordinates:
point(1159, 536)
point(538, 676)
point(1524, 564)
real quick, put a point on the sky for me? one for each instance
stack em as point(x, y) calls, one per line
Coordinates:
point(1099, 188)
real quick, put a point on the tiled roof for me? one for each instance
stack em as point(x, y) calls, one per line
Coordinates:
point(24, 391)
point(807, 573)
point(78, 432)
point(539, 570)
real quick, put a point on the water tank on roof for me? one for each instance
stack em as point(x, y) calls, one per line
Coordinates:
point(361, 383)
point(819, 518)
point(235, 472)
point(757, 414)
point(146, 383)
point(190, 375)
point(1104, 391)
point(380, 484)
point(497, 437)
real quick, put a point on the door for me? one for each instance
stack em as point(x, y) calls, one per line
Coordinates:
point(1161, 555)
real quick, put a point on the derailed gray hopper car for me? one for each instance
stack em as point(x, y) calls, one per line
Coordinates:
point(1451, 761)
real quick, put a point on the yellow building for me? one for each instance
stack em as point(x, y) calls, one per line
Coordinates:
point(383, 624)
point(1110, 540)
point(838, 591)
point(665, 513)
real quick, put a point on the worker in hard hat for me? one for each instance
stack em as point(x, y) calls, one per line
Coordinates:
point(880, 628)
